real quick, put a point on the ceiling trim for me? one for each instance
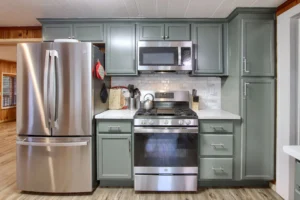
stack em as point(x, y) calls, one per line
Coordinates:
point(169, 20)
point(286, 6)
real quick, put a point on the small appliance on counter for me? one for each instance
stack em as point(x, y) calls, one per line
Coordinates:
point(166, 143)
point(195, 100)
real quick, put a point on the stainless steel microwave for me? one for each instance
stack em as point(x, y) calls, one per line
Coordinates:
point(165, 56)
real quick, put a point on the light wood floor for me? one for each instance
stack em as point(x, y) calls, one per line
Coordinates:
point(8, 190)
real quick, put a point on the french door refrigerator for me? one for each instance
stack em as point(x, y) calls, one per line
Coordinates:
point(57, 98)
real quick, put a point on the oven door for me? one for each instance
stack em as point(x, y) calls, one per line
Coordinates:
point(165, 150)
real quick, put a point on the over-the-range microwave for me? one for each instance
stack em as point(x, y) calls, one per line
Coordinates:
point(165, 56)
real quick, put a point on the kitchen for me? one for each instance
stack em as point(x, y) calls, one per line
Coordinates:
point(143, 106)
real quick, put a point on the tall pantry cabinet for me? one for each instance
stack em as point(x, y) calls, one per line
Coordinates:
point(249, 90)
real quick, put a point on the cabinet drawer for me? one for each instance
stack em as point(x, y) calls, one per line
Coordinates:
point(216, 127)
point(216, 145)
point(215, 168)
point(114, 126)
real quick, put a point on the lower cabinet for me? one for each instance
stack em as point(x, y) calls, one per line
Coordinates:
point(114, 156)
point(216, 150)
point(258, 134)
point(297, 181)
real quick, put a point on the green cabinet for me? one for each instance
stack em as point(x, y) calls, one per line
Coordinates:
point(258, 47)
point(159, 31)
point(114, 156)
point(120, 49)
point(80, 31)
point(88, 32)
point(209, 48)
point(258, 110)
point(57, 31)
point(297, 181)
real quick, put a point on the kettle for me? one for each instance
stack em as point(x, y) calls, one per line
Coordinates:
point(148, 101)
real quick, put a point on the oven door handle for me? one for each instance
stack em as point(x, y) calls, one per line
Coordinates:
point(166, 130)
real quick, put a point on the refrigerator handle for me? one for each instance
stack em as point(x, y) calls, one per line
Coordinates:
point(49, 144)
point(46, 88)
point(53, 88)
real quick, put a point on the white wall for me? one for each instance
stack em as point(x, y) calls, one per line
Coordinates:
point(209, 89)
point(287, 103)
point(8, 52)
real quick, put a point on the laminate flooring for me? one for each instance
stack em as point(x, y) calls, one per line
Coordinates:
point(8, 190)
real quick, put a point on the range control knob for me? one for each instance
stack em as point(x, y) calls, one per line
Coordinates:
point(166, 122)
point(151, 122)
point(188, 122)
point(143, 122)
point(180, 122)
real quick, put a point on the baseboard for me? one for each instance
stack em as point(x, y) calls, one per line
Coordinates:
point(231, 183)
point(206, 183)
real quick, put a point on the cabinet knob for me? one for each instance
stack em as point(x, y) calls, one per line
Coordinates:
point(163, 37)
point(166, 37)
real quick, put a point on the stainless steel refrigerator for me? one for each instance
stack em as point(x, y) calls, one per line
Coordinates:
point(57, 98)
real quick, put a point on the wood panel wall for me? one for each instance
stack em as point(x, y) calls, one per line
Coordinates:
point(10, 67)
point(20, 32)
point(286, 6)
point(8, 114)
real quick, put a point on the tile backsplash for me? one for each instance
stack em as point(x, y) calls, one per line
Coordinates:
point(208, 88)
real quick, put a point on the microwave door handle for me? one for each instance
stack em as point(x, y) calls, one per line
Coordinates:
point(179, 56)
point(46, 88)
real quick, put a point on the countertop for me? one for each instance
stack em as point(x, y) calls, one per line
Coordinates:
point(116, 114)
point(202, 114)
point(216, 114)
point(293, 151)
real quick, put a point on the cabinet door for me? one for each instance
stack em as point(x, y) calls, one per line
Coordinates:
point(177, 32)
point(57, 31)
point(89, 32)
point(258, 128)
point(114, 156)
point(120, 51)
point(258, 47)
point(208, 40)
point(151, 31)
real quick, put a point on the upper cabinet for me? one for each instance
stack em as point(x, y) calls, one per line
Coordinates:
point(170, 31)
point(80, 31)
point(57, 31)
point(88, 32)
point(120, 49)
point(258, 47)
point(209, 49)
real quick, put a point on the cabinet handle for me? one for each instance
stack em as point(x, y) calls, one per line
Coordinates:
point(245, 90)
point(129, 144)
point(115, 128)
point(217, 128)
point(218, 169)
point(166, 37)
point(217, 145)
point(245, 65)
point(163, 37)
point(69, 37)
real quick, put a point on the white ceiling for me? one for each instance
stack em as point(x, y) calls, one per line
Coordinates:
point(25, 12)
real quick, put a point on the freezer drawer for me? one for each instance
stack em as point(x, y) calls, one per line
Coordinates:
point(58, 165)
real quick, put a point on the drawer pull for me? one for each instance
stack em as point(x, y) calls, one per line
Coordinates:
point(220, 169)
point(114, 128)
point(218, 128)
point(218, 145)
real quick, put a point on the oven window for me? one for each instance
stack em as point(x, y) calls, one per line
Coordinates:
point(165, 150)
point(158, 56)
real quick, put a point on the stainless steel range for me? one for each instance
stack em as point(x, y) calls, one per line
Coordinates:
point(165, 144)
